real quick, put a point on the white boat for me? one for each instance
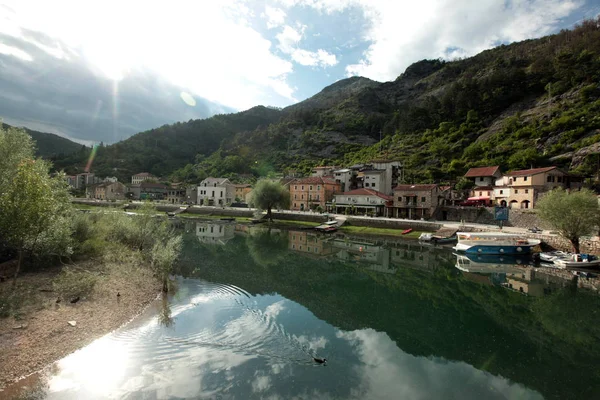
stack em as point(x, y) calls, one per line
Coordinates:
point(489, 264)
point(552, 256)
point(578, 260)
point(494, 243)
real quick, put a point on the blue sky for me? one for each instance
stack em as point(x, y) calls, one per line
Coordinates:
point(241, 53)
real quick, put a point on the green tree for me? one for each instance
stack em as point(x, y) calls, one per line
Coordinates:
point(573, 215)
point(33, 210)
point(15, 146)
point(163, 256)
point(268, 194)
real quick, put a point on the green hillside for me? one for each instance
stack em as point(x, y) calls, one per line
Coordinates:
point(532, 103)
point(49, 145)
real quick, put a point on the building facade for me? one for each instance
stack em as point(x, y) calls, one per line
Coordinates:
point(216, 192)
point(141, 177)
point(360, 201)
point(484, 176)
point(241, 190)
point(176, 195)
point(310, 193)
point(415, 201)
point(527, 185)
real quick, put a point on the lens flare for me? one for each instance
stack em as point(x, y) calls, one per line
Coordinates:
point(91, 159)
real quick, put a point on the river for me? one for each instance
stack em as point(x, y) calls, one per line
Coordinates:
point(395, 320)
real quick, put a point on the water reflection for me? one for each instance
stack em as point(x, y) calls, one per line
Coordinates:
point(395, 319)
point(214, 233)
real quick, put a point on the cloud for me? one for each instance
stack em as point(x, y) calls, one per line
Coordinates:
point(13, 51)
point(275, 16)
point(402, 32)
point(289, 38)
point(209, 48)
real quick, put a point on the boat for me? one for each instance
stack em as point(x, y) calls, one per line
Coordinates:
point(326, 228)
point(429, 237)
point(494, 243)
point(551, 256)
point(578, 260)
point(409, 230)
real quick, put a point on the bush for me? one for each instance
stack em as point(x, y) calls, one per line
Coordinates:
point(94, 247)
point(70, 284)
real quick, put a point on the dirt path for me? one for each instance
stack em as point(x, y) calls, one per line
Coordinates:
point(41, 334)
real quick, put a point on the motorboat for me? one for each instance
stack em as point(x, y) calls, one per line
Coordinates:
point(494, 243)
point(578, 260)
point(551, 256)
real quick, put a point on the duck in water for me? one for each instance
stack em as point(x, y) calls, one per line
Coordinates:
point(320, 360)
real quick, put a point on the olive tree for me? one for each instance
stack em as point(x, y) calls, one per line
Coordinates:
point(573, 215)
point(268, 194)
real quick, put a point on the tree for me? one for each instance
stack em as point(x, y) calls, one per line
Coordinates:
point(15, 145)
point(573, 215)
point(268, 194)
point(33, 209)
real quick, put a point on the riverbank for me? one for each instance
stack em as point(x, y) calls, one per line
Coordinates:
point(38, 333)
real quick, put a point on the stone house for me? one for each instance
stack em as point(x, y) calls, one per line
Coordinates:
point(325, 170)
point(107, 191)
point(176, 194)
point(360, 201)
point(484, 176)
point(312, 192)
point(216, 192)
point(415, 201)
point(148, 191)
point(241, 190)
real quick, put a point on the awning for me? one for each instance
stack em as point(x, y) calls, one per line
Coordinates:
point(479, 198)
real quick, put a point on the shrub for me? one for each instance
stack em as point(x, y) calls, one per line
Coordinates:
point(69, 283)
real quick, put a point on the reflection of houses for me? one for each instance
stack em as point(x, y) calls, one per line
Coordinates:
point(418, 256)
point(415, 201)
point(360, 200)
point(364, 251)
point(309, 242)
point(213, 233)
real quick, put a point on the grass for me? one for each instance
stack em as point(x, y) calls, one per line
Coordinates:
point(366, 230)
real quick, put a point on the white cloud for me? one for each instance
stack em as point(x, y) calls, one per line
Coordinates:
point(402, 32)
point(13, 51)
point(207, 47)
point(275, 16)
point(289, 39)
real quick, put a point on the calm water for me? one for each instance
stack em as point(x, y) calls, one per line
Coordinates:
point(396, 320)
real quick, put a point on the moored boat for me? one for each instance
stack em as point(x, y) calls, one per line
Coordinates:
point(551, 256)
point(578, 260)
point(494, 243)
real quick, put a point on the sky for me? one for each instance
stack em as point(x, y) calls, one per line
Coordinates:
point(235, 54)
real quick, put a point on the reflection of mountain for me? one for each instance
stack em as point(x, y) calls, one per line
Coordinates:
point(214, 233)
point(428, 309)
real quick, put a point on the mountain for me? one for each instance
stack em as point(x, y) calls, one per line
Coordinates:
point(532, 103)
point(49, 145)
point(51, 87)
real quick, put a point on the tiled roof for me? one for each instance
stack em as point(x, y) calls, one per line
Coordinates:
point(143, 174)
point(210, 180)
point(415, 187)
point(481, 171)
point(528, 172)
point(367, 192)
point(314, 180)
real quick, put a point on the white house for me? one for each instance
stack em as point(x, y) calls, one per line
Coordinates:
point(213, 233)
point(141, 177)
point(361, 201)
point(216, 191)
point(484, 176)
point(344, 176)
point(376, 179)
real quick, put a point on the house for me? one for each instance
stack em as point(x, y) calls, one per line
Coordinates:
point(312, 192)
point(346, 177)
point(375, 179)
point(85, 179)
point(526, 186)
point(148, 191)
point(176, 194)
point(393, 174)
point(141, 177)
point(71, 181)
point(106, 191)
point(110, 179)
point(214, 233)
point(324, 170)
point(484, 176)
point(191, 195)
point(216, 191)
point(415, 201)
point(241, 190)
point(361, 201)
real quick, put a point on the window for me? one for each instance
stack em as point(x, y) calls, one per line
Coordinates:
point(310, 196)
point(302, 187)
point(308, 248)
point(559, 179)
point(295, 196)
point(318, 197)
point(213, 195)
point(422, 199)
point(315, 249)
point(524, 179)
point(481, 193)
point(549, 179)
point(348, 198)
point(481, 179)
point(295, 205)
point(301, 197)
point(400, 198)
point(367, 184)
point(501, 191)
point(293, 246)
point(526, 191)
point(295, 187)
point(516, 191)
point(489, 194)
point(221, 193)
point(310, 187)
point(318, 187)
point(373, 184)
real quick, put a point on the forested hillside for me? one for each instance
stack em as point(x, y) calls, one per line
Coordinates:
point(532, 103)
point(50, 145)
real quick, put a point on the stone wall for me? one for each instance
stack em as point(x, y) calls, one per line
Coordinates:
point(485, 215)
point(394, 224)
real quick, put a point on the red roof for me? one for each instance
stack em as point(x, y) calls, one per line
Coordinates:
point(416, 187)
point(482, 171)
point(367, 192)
point(315, 180)
point(528, 172)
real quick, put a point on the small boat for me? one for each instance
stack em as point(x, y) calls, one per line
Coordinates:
point(326, 228)
point(551, 256)
point(429, 237)
point(494, 243)
point(578, 260)
point(409, 230)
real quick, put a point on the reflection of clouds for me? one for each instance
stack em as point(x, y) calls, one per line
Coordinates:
point(274, 309)
point(388, 372)
point(313, 343)
point(261, 383)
